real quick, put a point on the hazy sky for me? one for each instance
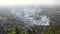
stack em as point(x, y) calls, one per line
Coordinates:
point(29, 2)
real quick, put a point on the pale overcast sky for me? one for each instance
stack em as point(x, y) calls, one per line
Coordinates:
point(29, 2)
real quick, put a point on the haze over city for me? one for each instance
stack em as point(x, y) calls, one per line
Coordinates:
point(29, 16)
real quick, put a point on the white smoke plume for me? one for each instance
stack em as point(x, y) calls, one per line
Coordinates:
point(30, 16)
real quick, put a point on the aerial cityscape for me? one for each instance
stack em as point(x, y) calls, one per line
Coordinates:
point(25, 19)
point(29, 16)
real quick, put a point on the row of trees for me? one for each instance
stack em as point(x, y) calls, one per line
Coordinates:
point(49, 30)
point(53, 30)
point(16, 31)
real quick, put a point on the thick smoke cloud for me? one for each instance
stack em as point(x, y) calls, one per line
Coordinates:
point(30, 15)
